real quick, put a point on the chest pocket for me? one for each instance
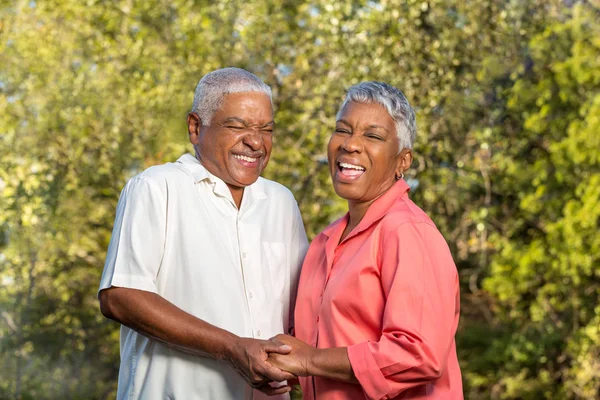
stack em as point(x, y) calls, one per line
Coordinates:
point(274, 258)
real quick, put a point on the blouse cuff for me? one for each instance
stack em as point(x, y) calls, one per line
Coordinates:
point(367, 371)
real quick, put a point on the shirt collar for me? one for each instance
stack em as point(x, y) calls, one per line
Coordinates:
point(375, 212)
point(193, 166)
point(200, 173)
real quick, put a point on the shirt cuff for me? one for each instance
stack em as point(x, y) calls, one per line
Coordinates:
point(131, 282)
point(367, 371)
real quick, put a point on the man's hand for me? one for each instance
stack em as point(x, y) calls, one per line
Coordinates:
point(249, 358)
point(297, 361)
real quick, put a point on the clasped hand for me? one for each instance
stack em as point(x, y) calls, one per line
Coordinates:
point(281, 358)
point(250, 358)
point(297, 361)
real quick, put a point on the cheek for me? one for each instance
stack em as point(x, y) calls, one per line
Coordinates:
point(268, 143)
point(383, 163)
point(331, 146)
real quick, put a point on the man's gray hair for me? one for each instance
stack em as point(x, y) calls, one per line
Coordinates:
point(216, 84)
point(394, 102)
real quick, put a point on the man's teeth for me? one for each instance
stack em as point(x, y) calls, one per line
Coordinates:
point(352, 166)
point(244, 158)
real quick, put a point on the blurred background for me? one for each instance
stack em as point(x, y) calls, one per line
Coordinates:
point(507, 95)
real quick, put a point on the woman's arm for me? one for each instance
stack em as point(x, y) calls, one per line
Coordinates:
point(305, 360)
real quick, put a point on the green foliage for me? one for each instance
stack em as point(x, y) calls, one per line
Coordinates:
point(545, 275)
point(508, 103)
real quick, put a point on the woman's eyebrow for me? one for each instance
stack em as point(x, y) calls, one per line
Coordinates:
point(375, 126)
point(371, 126)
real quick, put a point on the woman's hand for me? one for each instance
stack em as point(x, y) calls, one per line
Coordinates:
point(298, 361)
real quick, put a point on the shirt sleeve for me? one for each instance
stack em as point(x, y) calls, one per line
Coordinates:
point(420, 318)
point(138, 239)
point(299, 248)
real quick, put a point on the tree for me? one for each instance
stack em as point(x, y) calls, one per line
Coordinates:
point(506, 94)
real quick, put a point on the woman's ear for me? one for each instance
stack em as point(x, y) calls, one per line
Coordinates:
point(194, 124)
point(405, 159)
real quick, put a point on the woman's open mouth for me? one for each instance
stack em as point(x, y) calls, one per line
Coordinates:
point(349, 172)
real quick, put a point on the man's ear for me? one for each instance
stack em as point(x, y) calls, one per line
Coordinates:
point(194, 124)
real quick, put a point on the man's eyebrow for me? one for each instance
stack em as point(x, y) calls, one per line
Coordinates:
point(235, 119)
point(245, 123)
point(343, 121)
point(271, 123)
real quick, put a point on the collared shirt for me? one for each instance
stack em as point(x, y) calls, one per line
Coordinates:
point(389, 293)
point(178, 233)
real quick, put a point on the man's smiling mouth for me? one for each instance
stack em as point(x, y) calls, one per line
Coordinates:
point(245, 158)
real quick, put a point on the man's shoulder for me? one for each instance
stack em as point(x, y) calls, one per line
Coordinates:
point(161, 174)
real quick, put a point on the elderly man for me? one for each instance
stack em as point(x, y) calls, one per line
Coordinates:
point(204, 258)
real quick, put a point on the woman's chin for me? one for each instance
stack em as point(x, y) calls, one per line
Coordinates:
point(347, 191)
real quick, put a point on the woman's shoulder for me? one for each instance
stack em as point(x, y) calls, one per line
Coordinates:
point(405, 214)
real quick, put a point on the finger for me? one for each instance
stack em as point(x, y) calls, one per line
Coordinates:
point(276, 347)
point(275, 373)
point(257, 383)
point(272, 391)
point(275, 361)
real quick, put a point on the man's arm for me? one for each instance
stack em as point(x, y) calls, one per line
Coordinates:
point(154, 317)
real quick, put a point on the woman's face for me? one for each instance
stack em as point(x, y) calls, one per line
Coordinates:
point(363, 153)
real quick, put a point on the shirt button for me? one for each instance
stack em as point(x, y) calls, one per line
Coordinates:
point(317, 319)
point(258, 333)
point(244, 255)
point(251, 295)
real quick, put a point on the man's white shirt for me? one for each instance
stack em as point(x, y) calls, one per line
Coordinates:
point(178, 233)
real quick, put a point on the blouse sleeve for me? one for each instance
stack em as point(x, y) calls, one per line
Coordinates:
point(420, 318)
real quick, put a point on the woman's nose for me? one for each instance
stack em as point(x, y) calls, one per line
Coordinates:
point(352, 144)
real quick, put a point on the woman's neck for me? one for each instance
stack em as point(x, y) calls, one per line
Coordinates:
point(356, 212)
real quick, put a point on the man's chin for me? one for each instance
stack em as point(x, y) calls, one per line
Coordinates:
point(242, 182)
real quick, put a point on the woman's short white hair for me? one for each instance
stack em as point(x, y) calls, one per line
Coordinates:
point(394, 102)
point(216, 84)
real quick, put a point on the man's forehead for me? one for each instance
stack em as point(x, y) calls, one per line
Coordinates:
point(245, 106)
point(244, 96)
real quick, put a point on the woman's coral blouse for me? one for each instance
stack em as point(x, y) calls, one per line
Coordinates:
point(389, 292)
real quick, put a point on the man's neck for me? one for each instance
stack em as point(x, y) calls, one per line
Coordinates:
point(237, 193)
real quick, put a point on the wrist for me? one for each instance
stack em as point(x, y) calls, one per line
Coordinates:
point(228, 347)
point(312, 361)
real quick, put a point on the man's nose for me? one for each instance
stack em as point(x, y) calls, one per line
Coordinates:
point(253, 139)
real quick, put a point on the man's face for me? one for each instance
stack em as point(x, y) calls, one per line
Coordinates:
point(236, 146)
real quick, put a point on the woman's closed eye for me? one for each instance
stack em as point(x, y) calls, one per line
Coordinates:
point(373, 136)
point(342, 131)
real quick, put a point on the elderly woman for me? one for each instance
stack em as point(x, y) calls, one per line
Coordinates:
point(378, 298)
